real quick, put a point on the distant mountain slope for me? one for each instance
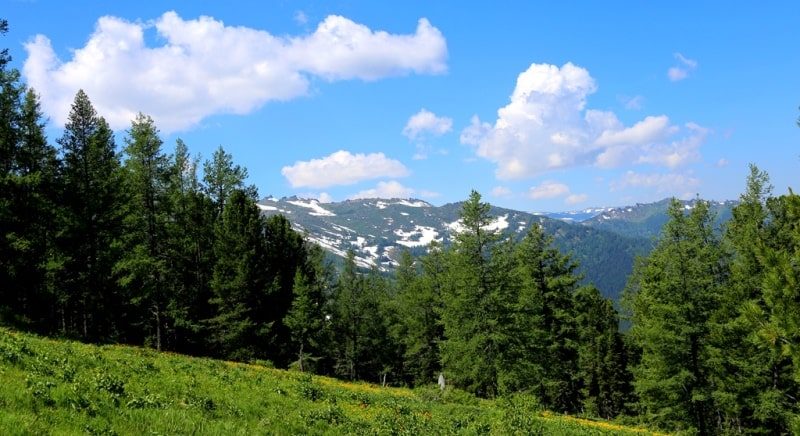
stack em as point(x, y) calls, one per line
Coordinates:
point(378, 229)
point(646, 220)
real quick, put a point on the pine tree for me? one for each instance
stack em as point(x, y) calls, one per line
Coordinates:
point(92, 204)
point(143, 268)
point(671, 297)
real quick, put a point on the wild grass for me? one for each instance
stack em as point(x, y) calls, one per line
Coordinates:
point(61, 387)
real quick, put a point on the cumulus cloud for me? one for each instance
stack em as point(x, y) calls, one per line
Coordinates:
point(390, 189)
point(576, 198)
point(547, 126)
point(501, 191)
point(632, 103)
point(426, 122)
point(548, 189)
point(662, 182)
point(682, 70)
point(342, 168)
point(300, 18)
point(204, 67)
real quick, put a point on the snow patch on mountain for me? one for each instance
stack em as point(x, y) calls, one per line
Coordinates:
point(314, 206)
point(421, 236)
point(498, 225)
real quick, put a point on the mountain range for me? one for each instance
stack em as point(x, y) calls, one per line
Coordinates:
point(604, 240)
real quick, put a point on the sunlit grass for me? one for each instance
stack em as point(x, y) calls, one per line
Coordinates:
point(61, 387)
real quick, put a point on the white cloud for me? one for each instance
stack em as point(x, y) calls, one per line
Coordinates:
point(632, 103)
point(682, 70)
point(342, 168)
point(547, 126)
point(390, 189)
point(501, 191)
point(576, 198)
point(300, 18)
point(475, 132)
point(548, 189)
point(204, 67)
point(662, 182)
point(426, 122)
point(723, 162)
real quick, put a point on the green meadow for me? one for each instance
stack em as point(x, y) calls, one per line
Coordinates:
point(63, 387)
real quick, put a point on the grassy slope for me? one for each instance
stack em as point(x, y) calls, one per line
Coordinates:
point(61, 387)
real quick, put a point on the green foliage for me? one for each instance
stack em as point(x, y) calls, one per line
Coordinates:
point(90, 224)
point(673, 296)
point(238, 330)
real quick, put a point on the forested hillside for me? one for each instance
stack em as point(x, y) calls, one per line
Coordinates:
point(379, 230)
point(127, 241)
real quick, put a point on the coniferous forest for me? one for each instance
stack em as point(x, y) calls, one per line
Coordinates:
point(133, 241)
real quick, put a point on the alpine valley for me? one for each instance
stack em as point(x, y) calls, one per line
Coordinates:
point(604, 240)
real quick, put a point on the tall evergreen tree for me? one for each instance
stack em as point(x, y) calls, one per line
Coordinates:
point(33, 185)
point(348, 320)
point(190, 232)
point(306, 319)
point(672, 296)
point(285, 255)
point(92, 212)
point(239, 284)
point(545, 321)
point(222, 177)
point(475, 304)
point(10, 105)
point(602, 357)
point(419, 305)
point(143, 267)
point(752, 378)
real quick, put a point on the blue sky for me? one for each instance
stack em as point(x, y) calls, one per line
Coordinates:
point(537, 106)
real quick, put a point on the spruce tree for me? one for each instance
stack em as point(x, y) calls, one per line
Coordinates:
point(92, 213)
